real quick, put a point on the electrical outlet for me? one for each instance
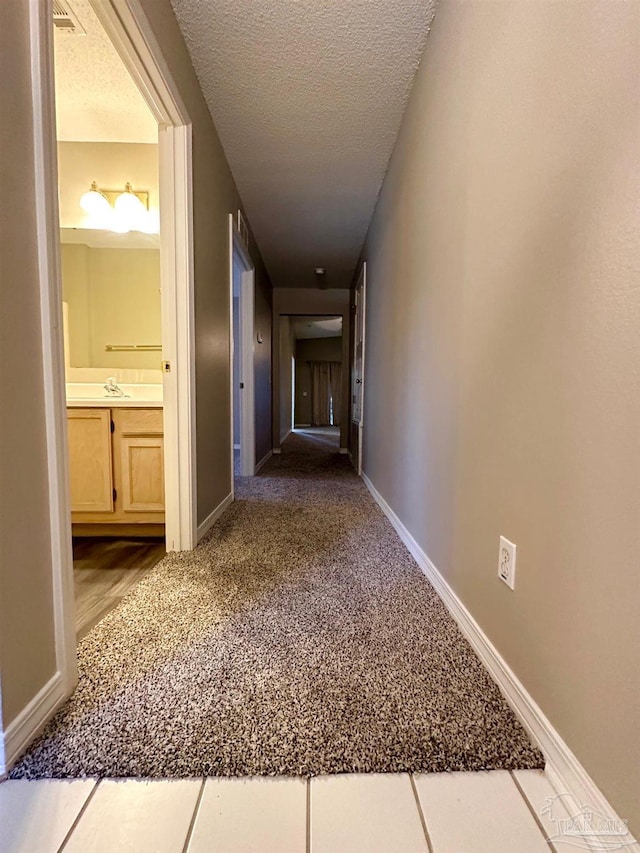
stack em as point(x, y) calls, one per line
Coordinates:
point(507, 562)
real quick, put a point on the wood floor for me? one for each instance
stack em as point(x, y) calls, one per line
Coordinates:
point(105, 570)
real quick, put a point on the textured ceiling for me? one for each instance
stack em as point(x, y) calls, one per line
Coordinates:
point(96, 99)
point(316, 327)
point(307, 96)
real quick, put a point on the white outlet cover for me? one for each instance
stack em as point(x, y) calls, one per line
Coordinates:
point(507, 562)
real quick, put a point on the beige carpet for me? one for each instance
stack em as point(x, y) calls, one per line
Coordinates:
point(300, 638)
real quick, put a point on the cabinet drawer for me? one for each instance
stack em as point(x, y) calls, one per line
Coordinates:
point(138, 421)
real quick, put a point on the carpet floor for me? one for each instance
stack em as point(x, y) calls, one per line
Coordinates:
point(300, 638)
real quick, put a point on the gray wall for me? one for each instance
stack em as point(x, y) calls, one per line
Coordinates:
point(302, 300)
point(503, 358)
point(286, 352)
point(312, 349)
point(214, 197)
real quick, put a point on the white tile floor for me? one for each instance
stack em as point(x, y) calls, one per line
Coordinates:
point(495, 812)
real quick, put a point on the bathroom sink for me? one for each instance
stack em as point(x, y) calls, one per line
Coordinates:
point(90, 394)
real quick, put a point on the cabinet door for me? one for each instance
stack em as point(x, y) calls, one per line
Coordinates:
point(89, 438)
point(142, 466)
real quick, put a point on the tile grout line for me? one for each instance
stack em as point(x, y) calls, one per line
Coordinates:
point(192, 823)
point(533, 812)
point(76, 821)
point(423, 820)
point(308, 827)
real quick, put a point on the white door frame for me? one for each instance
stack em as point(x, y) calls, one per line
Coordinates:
point(131, 34)
point(238, 249)
point(128, 29)
point(361, 286)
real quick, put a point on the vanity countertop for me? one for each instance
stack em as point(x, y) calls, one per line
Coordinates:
point(89, 395)
point(112, 403)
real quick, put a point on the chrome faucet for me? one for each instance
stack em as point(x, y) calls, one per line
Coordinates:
point(112, 388)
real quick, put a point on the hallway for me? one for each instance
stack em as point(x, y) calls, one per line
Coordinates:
point(299, 639)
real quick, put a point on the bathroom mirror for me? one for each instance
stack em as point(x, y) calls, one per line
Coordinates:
point(111, 299)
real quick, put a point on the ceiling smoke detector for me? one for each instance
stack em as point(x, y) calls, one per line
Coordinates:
point(65, 19)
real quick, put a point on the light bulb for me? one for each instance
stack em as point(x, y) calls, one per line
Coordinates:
point(94, 203)
point(130, 211)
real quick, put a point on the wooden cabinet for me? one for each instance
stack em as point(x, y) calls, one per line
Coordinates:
point(139, 459)
point(90, 460)
point(117, 466)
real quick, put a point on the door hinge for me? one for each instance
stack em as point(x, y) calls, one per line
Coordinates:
point(113, 427)
point(115, 495)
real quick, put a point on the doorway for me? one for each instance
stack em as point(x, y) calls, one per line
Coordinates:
point(129, 32)
point(316, 364)
point(357, 376)
point(242, 321)
point(109, 215)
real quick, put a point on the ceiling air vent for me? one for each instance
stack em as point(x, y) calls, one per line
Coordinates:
point(65, 19)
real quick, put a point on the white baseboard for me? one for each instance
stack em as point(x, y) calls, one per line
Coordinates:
point(21, 731)
point(344, 451)
point(563, 769)
point(211, 519)
point(284, 437)
point(264, 460)
point(276, 451)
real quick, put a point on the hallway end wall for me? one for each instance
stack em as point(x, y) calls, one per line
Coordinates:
point(309, 301)
point(503, 366)
point(312, 349)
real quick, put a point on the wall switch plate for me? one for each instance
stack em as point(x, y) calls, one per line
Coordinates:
point(507, 562)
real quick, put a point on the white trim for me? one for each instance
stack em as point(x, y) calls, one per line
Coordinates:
point(128, 29)
point(361, 284)
point(246, 343)
point(565, 772)
point(55, 416)
point(211, 519)
point(178, 336)
point(232, 378)
point(363, 292)
point(32, 718)
point(276, 451)
point(130, 33)
point(344, 451)
point(264, 460)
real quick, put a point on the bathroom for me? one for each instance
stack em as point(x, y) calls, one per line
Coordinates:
point(111, 274)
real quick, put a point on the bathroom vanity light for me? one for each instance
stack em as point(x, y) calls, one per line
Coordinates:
point(96, 205)
point(118, 211)
point(131, 213)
